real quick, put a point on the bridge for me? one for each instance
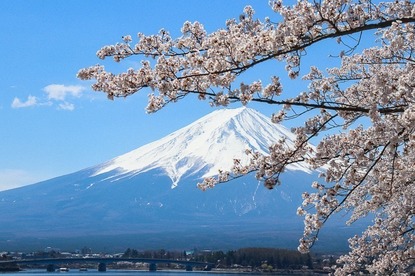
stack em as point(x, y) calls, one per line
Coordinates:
point(51, 263)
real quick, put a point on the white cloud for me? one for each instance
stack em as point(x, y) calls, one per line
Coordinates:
point(67, 106)
point(31, 101)
point(59, 92)
point(55, 94)
point(14, 178)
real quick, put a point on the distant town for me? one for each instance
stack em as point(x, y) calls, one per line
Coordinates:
point(241, 260)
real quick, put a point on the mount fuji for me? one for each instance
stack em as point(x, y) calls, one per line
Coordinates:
point(203, 147)
point(147, 198)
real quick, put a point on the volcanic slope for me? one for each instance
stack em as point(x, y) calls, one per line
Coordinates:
point(150, 194)
point(207, 145)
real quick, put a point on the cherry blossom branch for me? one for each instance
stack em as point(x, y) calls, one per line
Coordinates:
point(365, 106)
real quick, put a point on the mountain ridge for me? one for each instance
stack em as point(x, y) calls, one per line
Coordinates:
point(227, 132)
point(151, 192)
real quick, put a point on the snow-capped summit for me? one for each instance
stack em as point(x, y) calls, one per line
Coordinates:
point(207, 145)
point(130, 198)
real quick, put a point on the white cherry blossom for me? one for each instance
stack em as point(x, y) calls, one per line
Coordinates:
point(362, 111)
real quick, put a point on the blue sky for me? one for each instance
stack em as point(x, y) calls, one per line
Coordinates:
point(52, 123)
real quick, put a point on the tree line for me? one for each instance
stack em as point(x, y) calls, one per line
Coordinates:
point(247, 257)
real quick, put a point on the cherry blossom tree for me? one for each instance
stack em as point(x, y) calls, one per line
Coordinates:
point(363, 110)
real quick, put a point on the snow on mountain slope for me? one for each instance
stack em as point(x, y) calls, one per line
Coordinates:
point(207, 145)
point(130, 199)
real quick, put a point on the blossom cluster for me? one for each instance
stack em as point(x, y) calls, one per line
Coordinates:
point(365, 107)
